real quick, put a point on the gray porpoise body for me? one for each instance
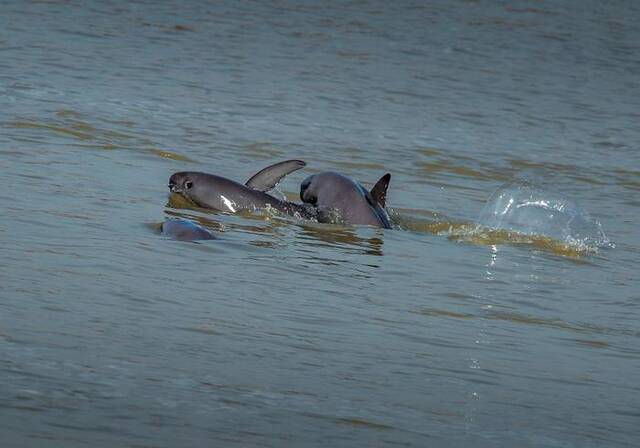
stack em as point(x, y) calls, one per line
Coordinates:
point(333, 193)
point(219, 193)
point(185, 230)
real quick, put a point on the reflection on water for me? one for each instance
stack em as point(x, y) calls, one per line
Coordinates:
point(329, 235)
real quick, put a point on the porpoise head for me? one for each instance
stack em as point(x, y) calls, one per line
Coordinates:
point(188, 184)
point(207, 190)
point(180, 182)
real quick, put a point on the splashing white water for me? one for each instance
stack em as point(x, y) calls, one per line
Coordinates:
point(523, 207)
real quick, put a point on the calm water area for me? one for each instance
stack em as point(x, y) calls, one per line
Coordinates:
point(284, 332)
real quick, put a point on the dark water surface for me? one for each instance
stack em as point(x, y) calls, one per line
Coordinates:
point(289, 333)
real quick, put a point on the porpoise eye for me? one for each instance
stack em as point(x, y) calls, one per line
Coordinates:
point(304, 195)
point(188, 184)
point(308, 198)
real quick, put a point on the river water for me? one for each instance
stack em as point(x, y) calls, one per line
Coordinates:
point(289, 333)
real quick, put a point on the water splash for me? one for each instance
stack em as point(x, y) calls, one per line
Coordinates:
point(519, 213)
point(524, 208)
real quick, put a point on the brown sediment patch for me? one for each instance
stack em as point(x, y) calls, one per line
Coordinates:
point(430, 151)
point(183, 28)
point(444, 313)
point(631, 185)
point(263, 149)
point(527, 319)
point(443, 161)
point(75, 128)
point(170, 155)
point(67, 113)
point(474, 234)
point(592, 344)
point(354, 421)
point(57, 129)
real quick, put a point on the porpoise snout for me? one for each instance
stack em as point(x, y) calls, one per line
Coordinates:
point(173, 183)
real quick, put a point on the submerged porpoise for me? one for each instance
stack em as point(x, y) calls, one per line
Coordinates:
point(338, 198)
point(185, 230)
point(219, 193)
